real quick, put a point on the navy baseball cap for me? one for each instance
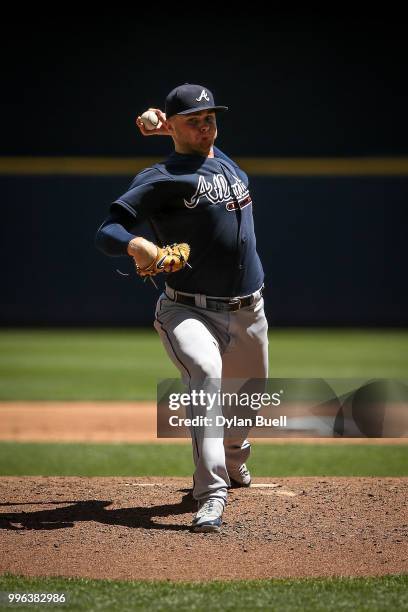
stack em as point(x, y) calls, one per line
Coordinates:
point(189, 98)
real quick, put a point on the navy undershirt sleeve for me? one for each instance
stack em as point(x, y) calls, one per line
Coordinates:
point(114, 235)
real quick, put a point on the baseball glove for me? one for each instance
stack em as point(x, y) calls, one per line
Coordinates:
point(170, 258)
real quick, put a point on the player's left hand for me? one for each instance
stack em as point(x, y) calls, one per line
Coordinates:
point(160, 130)
point(171, 258)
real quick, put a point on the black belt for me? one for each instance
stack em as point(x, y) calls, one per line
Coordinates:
point(221, 305)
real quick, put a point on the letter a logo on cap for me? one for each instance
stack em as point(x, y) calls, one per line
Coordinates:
point(204, 95)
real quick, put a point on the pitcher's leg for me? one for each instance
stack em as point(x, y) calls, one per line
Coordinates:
point(194, 350)
point(246, 358)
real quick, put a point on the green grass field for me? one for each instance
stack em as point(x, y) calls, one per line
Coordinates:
point(35, 459)
point(349, 594)
point(127, 364)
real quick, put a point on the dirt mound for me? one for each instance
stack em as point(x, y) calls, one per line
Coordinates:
point(138, 528)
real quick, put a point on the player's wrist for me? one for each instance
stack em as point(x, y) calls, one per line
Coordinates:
point(143, 251)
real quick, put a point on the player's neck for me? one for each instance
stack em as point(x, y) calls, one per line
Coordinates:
point(188, 151)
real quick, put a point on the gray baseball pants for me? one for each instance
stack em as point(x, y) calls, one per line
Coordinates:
point(209, 348)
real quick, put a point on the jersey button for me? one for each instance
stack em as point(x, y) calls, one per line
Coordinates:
point(241, 267)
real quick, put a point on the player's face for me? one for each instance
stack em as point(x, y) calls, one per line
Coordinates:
point(194, 133)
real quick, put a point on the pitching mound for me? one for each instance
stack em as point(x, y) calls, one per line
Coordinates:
point(138, 528)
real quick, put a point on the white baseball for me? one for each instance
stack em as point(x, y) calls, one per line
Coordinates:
point(150, 120)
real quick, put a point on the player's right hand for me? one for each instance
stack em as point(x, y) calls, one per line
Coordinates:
point(160, 130)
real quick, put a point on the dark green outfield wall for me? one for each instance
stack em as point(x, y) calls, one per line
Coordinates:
point(298, 86)
point(334, 252)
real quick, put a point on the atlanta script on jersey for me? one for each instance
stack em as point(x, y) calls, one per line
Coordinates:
point(206, 203)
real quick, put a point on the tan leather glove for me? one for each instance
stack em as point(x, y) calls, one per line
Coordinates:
point(170, 258)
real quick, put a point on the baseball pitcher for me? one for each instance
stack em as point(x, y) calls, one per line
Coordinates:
point(210, 316)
